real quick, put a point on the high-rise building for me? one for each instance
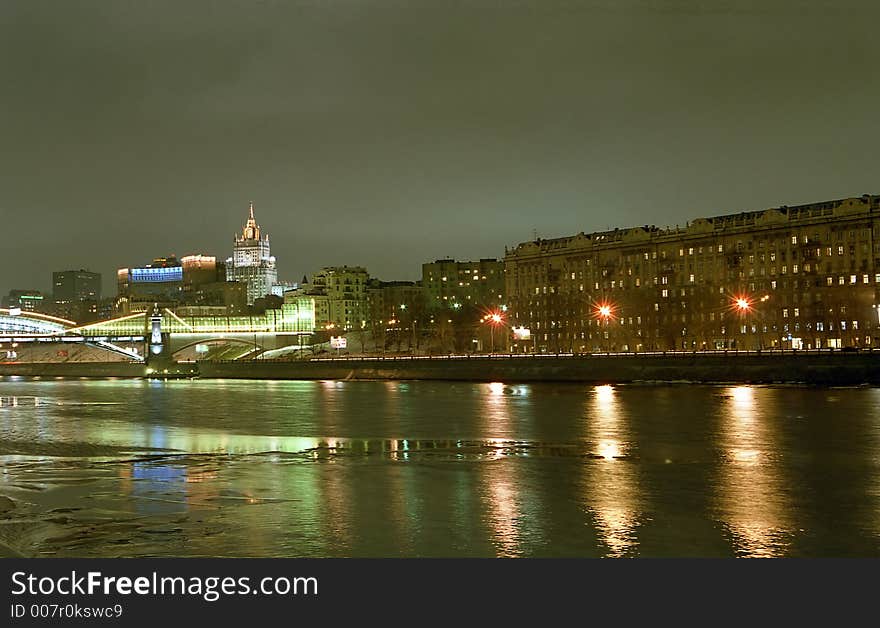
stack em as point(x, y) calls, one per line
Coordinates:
point(451, 284)
point(75, 294)
point(789, 277)
point(252, 262)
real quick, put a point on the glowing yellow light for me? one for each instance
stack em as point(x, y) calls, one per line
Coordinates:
point(604, 310)
point(496, 318)
point(609, 450)
point(743, 304)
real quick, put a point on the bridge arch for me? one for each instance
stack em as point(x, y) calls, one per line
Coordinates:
point(222, 340)
point(13, 321)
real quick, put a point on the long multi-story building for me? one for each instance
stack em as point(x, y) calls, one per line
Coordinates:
point(451, 284)
point(252, 262)
point(790, 277)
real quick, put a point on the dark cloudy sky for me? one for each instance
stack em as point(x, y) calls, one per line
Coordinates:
point(388, 133)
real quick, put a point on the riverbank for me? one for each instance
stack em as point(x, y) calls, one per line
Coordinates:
point(819, 368)
point(816, 368)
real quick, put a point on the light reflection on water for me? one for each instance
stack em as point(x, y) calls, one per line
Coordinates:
point(126, 468)
point(610, 484)
point(753, 491)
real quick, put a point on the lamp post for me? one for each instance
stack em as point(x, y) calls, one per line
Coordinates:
point(493, 319)
point(604, 312)
point(745, 307)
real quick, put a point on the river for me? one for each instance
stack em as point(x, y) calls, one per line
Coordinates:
point(107, 468)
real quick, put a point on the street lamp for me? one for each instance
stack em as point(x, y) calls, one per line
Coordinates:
point(493, 320)
point(744, 306)
point(604, 311)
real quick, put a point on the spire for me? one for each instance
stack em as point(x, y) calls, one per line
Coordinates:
point(251, 230)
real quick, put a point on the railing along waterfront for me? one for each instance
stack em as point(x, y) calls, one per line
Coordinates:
point(569, 355)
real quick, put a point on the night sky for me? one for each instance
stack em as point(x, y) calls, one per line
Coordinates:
point(387, 134)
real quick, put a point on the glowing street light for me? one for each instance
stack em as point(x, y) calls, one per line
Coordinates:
point(494, 319)
point(604, 311)
point(743, 305)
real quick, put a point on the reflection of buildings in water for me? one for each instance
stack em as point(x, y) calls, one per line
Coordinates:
point(610, 482)
point(337, 505)
point(155, 488)
point(751, 490)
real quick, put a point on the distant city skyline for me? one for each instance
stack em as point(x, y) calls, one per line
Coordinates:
point(386, 136)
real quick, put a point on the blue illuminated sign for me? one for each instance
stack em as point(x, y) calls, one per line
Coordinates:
point(154, 275)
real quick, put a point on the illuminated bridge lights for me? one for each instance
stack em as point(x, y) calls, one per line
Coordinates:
point(17, 322)
point(135, 325)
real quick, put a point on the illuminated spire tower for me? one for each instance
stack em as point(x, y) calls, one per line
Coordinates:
point(252, 262)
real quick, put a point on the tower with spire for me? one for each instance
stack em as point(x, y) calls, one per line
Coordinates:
point(252, 261)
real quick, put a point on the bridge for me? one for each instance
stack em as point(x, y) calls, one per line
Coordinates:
point(263, 335)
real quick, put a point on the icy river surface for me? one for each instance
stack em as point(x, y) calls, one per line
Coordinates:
point(269, 468)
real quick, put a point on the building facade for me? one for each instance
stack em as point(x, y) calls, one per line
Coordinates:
point(25, 300)
point(194, 280)
point(345, 288)
point(76, 294)
point(453, 284)
point(800, 277)
point(252, 262)
point(393, 300)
